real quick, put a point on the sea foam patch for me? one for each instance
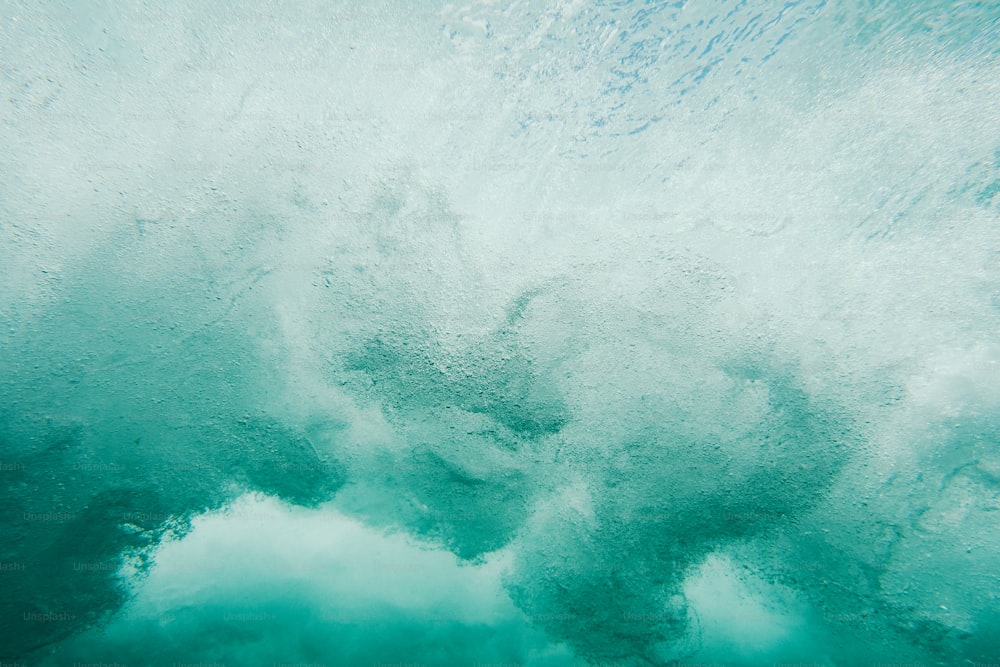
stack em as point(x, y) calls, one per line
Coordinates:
point(293, 585)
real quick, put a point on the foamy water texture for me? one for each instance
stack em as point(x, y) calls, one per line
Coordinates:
point(549, 333)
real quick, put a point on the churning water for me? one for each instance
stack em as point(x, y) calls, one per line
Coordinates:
point(541, 332)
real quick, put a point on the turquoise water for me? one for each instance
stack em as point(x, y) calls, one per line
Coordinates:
point(548, 333)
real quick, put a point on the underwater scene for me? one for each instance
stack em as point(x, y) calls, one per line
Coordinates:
point(523, 333)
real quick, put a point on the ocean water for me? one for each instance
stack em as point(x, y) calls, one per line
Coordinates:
point(543, 333)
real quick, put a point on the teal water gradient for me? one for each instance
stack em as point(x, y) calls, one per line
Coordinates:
point(539, 333)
